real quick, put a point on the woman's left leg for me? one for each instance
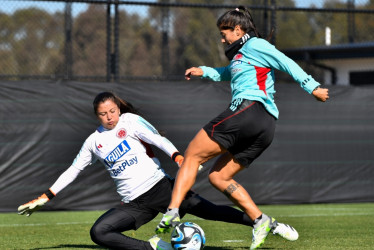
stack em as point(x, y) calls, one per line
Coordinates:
point(107, 231)
point(221, 177)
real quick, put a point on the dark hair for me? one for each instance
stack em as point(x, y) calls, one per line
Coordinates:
point(125, 107)
point(240, 16)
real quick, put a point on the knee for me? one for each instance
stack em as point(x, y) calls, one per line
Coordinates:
point(98, 232)
point(194, 158)
point(219, 180)
point(95, 234)
point(215, 179)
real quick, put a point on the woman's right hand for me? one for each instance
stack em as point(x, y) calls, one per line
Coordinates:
point(194, 71)
point(33, 205)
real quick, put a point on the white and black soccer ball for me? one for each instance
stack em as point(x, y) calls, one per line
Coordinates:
point(188, 236)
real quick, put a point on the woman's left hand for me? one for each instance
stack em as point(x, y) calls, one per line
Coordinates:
point(194, 71)
point(321, 94)
point(179, 160)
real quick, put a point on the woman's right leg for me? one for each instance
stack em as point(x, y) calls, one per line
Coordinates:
point(200, 149)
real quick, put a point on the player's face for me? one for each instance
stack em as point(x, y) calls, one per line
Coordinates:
point(229, 36)
point(108, 114)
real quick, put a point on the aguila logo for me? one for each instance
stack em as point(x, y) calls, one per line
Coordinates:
point(121, 133)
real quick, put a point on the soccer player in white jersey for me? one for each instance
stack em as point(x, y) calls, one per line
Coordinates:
point(121, 144)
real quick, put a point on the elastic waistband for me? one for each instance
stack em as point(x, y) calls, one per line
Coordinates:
point(240, 104)
point(165, 178)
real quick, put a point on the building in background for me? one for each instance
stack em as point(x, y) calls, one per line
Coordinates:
point(343, 64)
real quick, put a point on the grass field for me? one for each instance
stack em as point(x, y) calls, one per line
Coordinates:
point(321, 226)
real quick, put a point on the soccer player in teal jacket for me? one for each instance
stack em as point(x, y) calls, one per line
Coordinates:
point(246, 128)
point(251, 73)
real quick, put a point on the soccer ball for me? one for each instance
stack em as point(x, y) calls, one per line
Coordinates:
point(188, 236)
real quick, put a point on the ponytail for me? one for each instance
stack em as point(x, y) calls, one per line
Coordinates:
point(242, 17)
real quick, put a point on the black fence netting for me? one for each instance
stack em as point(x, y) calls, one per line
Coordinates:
point(322, 152)
point(106, 40)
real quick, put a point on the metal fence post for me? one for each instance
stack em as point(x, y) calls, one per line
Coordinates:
point(165, 60)
point(266, 19)
point(115, 65)
point(351, 21)
point(108, 44)
point(68, 64)
point(273, 20)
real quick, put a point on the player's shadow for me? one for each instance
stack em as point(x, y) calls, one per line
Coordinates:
point(87, 246)
point(232, 248)
point(71, 246)
point(218, 248)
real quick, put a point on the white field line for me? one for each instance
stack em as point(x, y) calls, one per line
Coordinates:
point(194, 219)
point(45, 224)
point(326, 214)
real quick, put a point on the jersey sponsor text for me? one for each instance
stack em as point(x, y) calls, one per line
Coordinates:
point(117, 153)
point(125, 164)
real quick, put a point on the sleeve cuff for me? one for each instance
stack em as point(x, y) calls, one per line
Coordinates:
point(309, 84)
point(175, 155)
point(204, 71)
point(50, 194)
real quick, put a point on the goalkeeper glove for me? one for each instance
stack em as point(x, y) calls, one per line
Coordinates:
point(36, 204)
point(170, 219)
point(178, 158)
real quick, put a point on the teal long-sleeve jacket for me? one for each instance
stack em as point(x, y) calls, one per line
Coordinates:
point(251, 73)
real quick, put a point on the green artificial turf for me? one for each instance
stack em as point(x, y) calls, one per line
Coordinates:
point(320, 226)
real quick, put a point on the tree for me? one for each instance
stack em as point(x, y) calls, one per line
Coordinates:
point(34, 39)
point(7, 62)
point(89, 42)
point(196, 40)
point(139, 46)
point(293, 29)
point(364, 23)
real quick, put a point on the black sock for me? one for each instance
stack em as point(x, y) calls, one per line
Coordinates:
point(257, 219)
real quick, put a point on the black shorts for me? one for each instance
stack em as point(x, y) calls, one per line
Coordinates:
point(245, 129)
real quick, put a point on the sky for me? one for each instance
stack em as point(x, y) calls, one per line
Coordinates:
point(9, 6)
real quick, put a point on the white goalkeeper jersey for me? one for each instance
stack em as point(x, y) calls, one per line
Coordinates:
point(123, 152)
